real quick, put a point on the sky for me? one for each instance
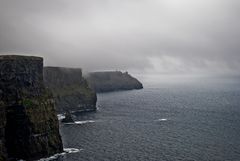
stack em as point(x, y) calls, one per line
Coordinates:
point(151, 37)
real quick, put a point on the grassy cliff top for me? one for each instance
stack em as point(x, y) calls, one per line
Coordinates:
point(18, 57)
point(62, 68)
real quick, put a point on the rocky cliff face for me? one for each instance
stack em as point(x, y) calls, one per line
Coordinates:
point(112, 81)
point(28, 124)
point(3, 153)
point(71, 91)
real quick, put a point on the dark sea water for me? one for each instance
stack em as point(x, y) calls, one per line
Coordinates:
point(160, 123)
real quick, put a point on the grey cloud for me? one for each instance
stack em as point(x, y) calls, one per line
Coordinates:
point(161, 36)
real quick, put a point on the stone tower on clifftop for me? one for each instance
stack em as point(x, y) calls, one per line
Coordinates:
point(28, 123)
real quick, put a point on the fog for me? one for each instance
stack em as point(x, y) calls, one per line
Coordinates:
point(145, 37)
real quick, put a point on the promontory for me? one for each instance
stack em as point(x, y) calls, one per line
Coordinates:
point(29, 126)
point(112, 81)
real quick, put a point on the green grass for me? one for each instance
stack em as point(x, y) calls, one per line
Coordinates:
point(28, 102)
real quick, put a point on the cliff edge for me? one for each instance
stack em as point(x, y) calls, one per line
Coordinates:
point(29, 126)
point(112, 81)
point(71, 91)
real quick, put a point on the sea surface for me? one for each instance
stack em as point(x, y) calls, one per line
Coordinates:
point(166, 122)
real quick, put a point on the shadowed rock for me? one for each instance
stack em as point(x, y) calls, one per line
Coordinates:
point(29, 127)
point(68, 118)
point(112, 81)
point(70, 89)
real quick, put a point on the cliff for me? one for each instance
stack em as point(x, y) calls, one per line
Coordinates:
point(3, 153)
point(29, 127)
point(70, 90)
point(112, 81)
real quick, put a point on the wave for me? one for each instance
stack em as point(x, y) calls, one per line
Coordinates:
point(80, 122)
point(61, 116)
point(84, 122)
point(98, 108)
point(162, 119)
point(72, 150)
point(65, 151)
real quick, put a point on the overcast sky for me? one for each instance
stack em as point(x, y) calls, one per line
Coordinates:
point(142, 36)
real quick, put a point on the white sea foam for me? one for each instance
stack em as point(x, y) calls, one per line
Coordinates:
point(72, 150)
point(162, 120)
point(80, 122)
point(66, 151)
point(98, 107)
point(61, 116)
point(84, 122)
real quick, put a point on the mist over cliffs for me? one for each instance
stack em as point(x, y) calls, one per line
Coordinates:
point(112, 81)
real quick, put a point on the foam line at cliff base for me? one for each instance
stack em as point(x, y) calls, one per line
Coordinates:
point(61, 116)
point(66, 151)
point(80, 122)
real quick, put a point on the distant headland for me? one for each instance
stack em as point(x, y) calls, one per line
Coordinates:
point(112, 81)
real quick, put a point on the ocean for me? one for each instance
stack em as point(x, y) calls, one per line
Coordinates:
point(163, 122)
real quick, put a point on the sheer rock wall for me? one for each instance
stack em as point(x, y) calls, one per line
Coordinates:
point(29, 126)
